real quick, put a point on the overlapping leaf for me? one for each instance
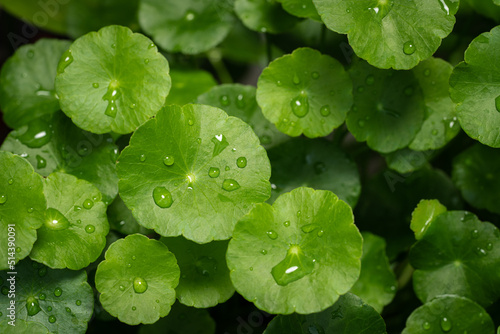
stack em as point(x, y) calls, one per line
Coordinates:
point(264, 15)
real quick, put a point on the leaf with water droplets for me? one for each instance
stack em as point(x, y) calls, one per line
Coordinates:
point(75, 151)
point(384, 115)
point(389, 33)
point(27, 83)
point(449, 314)
point(297, 263)
point(377, 283)
point(121, 219)
point(129, 92)
point(423, 215)
point(203, 204)
point(475, 172)
point(293, 99)
point(64, 228)
point(42, 295)
point(239, 101)
point(475, 88)
point(349, 314)
point(190, 26)
point(264, 16)
point(204, 278)
point(460, 255)
point(137, 279)
point(22, 204)
point(188, 85)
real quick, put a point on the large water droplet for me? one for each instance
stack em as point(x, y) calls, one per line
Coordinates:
point(293, 267)
point(88, 204)
point(206, 266)
point(111, 96)
point(409, 48)
point(300, 105)
point(55, 220)
point(140, 285)
point(58, 292)
point(95, 85)
point(241, 162)
point(37, 134)
point(168, 160)
point(52, 319)
point(32, 306)
point(3, 199)
point(66, 60)
point(446, 324)
point(90, 229)
point(273, 235)
point(230, 185)
point(220, 143)
point(213, 172)
point(162, 197)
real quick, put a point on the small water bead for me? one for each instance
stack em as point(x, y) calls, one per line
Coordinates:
point(31, 54)
point(480, 251)
point(42, 296)
point(206, 266)
point(88, 204)
point(90, 229)
point(409, 48)
point(300, 105)
point(446, 324)
point(152, 45)
point(325, 110)
point(287, 223)
point(3, 199)
point(67, 60)
point(263, 252)
point(18, 249)
point(58, 292)
point(113, 46)
point(134, 308)
point(78, 302)
point(42, 271)
point(49, 308)
point(426, 325)
point(251, 268)
point(224, 100)
point(32, 306)
point(190, 122)
point(122, 288)
point(489, 246)
point(315, 75)
point(279, 83)
point(140, 285)
point(30, 210)
point(78, 221)
point(292, 123)
point(68, 310)
point(95, 85)
point(230, 185)
point(370, 80)
point(168, 160)
point(213, 172)
point(146, 61)
point(475, 234)
point(320, 233)
point(198, 140)
point(162, 197)
point(10, 182)
point(240, 103)
point(427, 72)
point(227, 168)
point(241, 162)
point(52, 319)
point(132, 106)
point(296, 79)
point(129, 265)
point(273, 235)
point(40, 162)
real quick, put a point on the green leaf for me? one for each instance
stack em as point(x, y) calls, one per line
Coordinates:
point(22, 207)
point(475, 88)
point(204, 278)
point(348, 315)
point(193, 171)
point(406, 160)
point(305, 92)
point(452, 314)
point(137, 280)
point(313, 163)
point(264, 15)
point(75, 226)
point(121, 219)
point(390, 33)
point(440, 125)
point(54, 143)
point(475, 172)
point(486, 8)
point(59, 300)
point(239, 101)
point(182, 319)
point(23, 326)
point(112, 80)
point(298, 255)
point(377, 283)
point(423, 215)
point(27, 82)
point(388, 108)
point(460, 255)
point(187, 85)
point(189, 26)
point(301, 8)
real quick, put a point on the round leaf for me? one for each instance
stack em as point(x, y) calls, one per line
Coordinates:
point(313, 163)
point(189, 26)
point(137, 280)
point(204, 278)
point(475, 87)
point(423, 215)
point(348, 315)
point(239, 101)
point(112, 80)
point(59, 300)
point(451, 314)
point(460, 255)
point(475, 172)
point(388, 107)
point(75, 226)
point(27, 82)
point(390, 33)
point(22, 207)
point(301, 8)
point(56, 144)
point(193, 171)
point(298, 255)
point(264, 15)
point(305, 92)
point(188, 85)
point(376, 284)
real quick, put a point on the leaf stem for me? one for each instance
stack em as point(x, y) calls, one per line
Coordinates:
point(215, 59)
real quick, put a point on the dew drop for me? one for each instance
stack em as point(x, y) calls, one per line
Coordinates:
point(111, 96)
point(293, 267)
point(122, 288)
point(227, 168)
point(90, 228)
point(140, 285)
point(42, 296)
point(190, 122)
point(213, 172)
point(31, 54)
point(489, 246)
point(58, 292)
point(40, 162)
point(296, 79)
point(162, 197)
point(427, 72)
point(113, 46)
point(315, 75)
point(190, 15)
point(370, 80)
point(273, 235)
point(224, 100)
point(146, 61)
point(409, 48)
point(37, 134)
point(18, 249)
point(52, 319)
point(263, 252)
point(240, 103)
point(49, 308)
point(309, 228)
point(68, 310)
point(241, 162)
point(78, 302)
point(251, 268)
point(142, 158)
point(10, 182)
point(88, 204)
point(287, 223)
point(230, 185)
point(32, 306)
point(426, 325)
point(168, 160)
point(445, 324)
point(3, 199)
point(66, 60)
point(95, 85)
point(134, 308)
point(300, 105)
point(325, 110)
point(320, 233)
point(475, 234)
point(42, 271)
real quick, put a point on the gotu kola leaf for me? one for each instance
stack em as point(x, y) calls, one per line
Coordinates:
point(264, 15)
point(193, 171)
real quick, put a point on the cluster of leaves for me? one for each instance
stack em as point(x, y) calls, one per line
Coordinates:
point(128, 185)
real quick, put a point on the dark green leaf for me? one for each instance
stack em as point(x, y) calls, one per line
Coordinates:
point(264, 15)
point(188, 85)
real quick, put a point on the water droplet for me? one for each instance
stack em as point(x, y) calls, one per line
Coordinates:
point(309, 228)
point(168, 160)
point(49, 308)
point(152, 45)
point(113, 46)
point(3, 199)
point(140, 285)
point(408, 91)
point(190, 15)
point(42, 296)
point(227, 168)
point(426, 325)
point(370, 80)
point(40, 162)
point(497, 103)
point(434, 132)
point(78, 221)
point(206, 266)
point(190, 122)
point(132, 106)
point(37, 134)
point(142, 158)
point(10, 182)
point(30, 54)
point(68, 310)
point(224, 100)
point(296, 79)
point(90, 228)
point(58, 292)
point(230, 185)
point(52, 319)
point(300, 105)
point(475, 234)
point(251, 268)
point(445, 324)
point(489, 246)
point(220, 143)
point(66, 60)
point(122, 288)
point(134, 308)
point(78, 302)
point(32, 306)
point(18, 249)
point(213, 172)
point(111, 96)
point(480, 251)
point(325, 110)
point(287, 223)
point(273, 235)
point(88, 204)
point(95, 85)
point(241, 162)
point(409, 48)
point(55, 220)
point(162, 197)
point(320, 233)
point(240, 103)
point(315, 75)
point(146, 61)
point(263, 252)
point(293, 267)
point(279, 83)
point(427, 72)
